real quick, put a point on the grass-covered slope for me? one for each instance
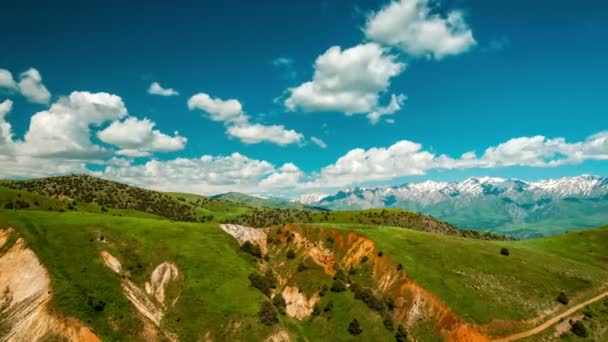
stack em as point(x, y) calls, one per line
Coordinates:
point(480, 284)
point(215, 289)
point(112, 195)
point(381, 217)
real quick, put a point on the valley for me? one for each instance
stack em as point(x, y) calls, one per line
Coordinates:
point(281, 275)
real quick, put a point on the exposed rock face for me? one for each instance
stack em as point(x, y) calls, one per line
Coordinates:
point(25, 292)
point(242, 234)
point(279, 336)
point(297, 305)
point(150, 300)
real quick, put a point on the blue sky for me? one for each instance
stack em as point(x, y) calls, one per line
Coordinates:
point(528, 68)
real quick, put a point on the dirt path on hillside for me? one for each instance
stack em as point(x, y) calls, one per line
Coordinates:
point(550, 322)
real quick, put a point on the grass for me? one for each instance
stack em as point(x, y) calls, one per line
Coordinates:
point(479, 284)
point(215, 288)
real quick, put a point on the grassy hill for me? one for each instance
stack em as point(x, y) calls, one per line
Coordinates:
point(107, 194)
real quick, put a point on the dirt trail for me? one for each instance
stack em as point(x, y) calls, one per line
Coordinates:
point(551, 321)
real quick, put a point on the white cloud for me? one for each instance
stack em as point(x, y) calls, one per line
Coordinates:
point(231, 113)
point(359, 165)
point(227, 111)
point(287, 176)
point(318, 142)
point(257, 133)
point(30, 85)
point(138, 138)
point(63, 130)
point(348, 81)
point(394, 106)
point(205, 175)
point(6, 133)
point(414, 28)
point(6, 80)
point(406, 158)
point(156, 89)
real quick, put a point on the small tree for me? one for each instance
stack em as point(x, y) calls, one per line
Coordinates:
point(563, 298)
point(504, 251)
point(279, 303)
point(291, 254)
point(579, 329)
point(252, 249)
point(354, 328)
point(338, 286)
point(268, 314)
point(401, 335)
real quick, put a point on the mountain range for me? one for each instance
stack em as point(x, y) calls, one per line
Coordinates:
point(512, 206)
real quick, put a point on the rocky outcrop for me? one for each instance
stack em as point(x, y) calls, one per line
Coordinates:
point(150, 300)
point(242, 234)
point(297, 305)
point(25, 293)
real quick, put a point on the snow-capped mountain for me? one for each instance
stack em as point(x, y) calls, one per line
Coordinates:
point(486, 202)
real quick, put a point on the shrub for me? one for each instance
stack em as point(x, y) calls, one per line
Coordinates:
point(354, 328)
point(352, 271)
point(380, 253)
point(96, 303)
point(261, 282)
point(340, 275)
point(8, 205)
point(388, 322)
point(399, 267)
point(401, 335)
point(563, 298)
point(302, 267)
point(291, 254)
point(316, 310)
point(504, 251)
point(268, 315)
point(364, 259)
point(279, 303)
point(328, 306)
point(252, 249)
point(323, 291)
point(579, 329)
point(338, 286)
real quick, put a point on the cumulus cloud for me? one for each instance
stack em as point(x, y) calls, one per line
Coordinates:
point(6, 133)
point(156, 89)
point(227, 111)
point(257, 133)
point(287, 176)
point(231, 113)
point(6, 80)
point(348, 81)
point(63, 130)
point(393, 106)
point(407, 158)
point(31, 86)
point(205, 175)
point(318, 142)
point(138, 138)
point(412, 26)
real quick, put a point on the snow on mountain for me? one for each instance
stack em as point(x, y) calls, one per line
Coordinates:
point(432, 192)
